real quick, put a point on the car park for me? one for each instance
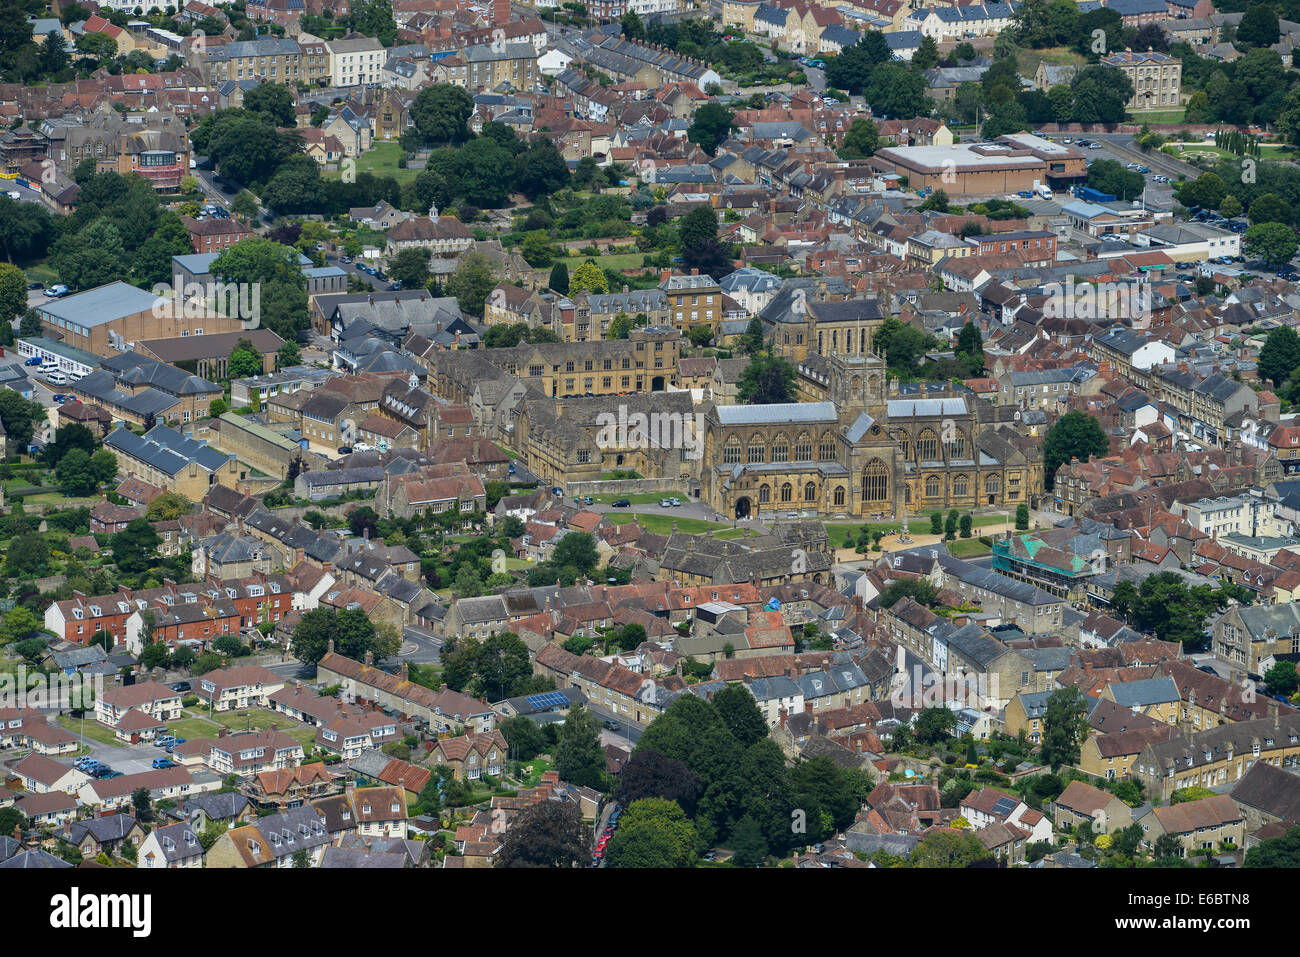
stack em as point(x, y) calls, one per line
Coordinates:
point(102, 772)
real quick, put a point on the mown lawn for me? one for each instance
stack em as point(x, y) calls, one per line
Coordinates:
point(1158, 116)
point(260, 720)
point(968, 548)
point(606, 260)
point(191, 728)
point(92, 729)
point(663, 524)
point(917, 524)
point(381, 161)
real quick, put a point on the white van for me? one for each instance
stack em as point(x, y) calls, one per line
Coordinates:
point(56, 377)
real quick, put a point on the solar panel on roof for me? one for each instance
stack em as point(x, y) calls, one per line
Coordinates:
point(550, 699)
point(1004, 806)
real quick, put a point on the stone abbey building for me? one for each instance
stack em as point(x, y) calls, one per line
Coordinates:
point(867, 450)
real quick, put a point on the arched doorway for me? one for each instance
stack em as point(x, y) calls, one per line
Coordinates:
point(742, 508)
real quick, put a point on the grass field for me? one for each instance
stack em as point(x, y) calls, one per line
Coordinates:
point(191, 728)
point(1158, 116)
point(92, 729)
point(381, 161)
point(606, 261)
point(663, 524)
point(968, 548)
point(917, 523)
point(259, 720)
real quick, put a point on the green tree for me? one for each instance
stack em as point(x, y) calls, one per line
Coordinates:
point(965, 524)
point(1279, 355)
point(559, 281)
point(245, 361)
point(579, 758)
point(934, 725)
point(650, 774)
point(588, 277)
point(142, 803)
point(440, 113)
point(502, 664)
point(1282, 679)
point(1065, 725)
point(748, 843)
point(970, 348)
point(76, 474)
point(1268, 208)
point(1075, 435)
point(538, 249)
point(289, 354)
point(710, 126)
point(739, 711)
point(698, 225)
point(135, 548)
point(410, 267)
point(1272, 243)
point(274, 270)
point(1276, 852)
point(472, 283)
point(768, 380)
point(949, 849)
point(653, 832)
point(13, 292)
point(1022, 517)
point(545, 834)
point(1258, 27)
point(751, 343)
point(272, 103)
point(861, 141)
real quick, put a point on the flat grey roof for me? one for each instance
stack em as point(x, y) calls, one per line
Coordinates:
point(100, 305)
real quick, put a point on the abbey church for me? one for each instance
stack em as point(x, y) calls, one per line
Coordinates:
point(869, 448)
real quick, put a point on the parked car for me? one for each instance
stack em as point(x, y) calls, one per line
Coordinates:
point(60, 398)
point(33, 361)
point(611, 725)
point(674, 502)
point(182, 686)
point(87, 764)
point(623, 503)
point(104, 772)
point(664, 503)
point(161, 764)
point(31, 286)
point(163, 740)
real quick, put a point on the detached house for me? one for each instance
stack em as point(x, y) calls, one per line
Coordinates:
point(471, 756)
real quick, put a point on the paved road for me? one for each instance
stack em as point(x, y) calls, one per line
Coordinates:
point(626, 736)
point(420, 647)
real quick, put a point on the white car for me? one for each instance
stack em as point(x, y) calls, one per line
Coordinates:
point(14, 194)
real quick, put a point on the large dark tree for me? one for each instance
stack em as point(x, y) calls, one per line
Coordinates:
point(766, 380)
point(710, 126)
point(1075, 435)
point(546, 834)
point(1065, 725)
point(739, 710)
point(649, 774)
point(579, 758)
point(440, 114)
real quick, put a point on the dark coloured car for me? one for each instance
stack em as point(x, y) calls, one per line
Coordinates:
point(182, 686)
point(623, 503)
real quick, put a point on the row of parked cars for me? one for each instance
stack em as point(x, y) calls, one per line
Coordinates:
point(598, 854)
point(96, 769)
